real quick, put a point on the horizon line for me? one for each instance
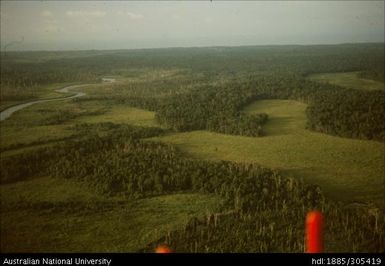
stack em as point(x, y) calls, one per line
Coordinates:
point(191, 47)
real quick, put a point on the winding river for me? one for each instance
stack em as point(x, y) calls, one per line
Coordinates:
point(9, 111)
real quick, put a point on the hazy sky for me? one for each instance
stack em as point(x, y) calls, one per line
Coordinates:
point(70, 25)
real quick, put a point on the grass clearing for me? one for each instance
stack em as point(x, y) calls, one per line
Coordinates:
point(64, 215)
point(122, 114)
point(285, 116)
point(346, 169)
point(349, 80)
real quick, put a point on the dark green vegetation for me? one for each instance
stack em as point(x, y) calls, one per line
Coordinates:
point(215, 108)
point(110, 164)
point(347, 116)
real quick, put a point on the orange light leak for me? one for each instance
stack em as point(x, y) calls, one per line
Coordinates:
point(314, 232)
point(163, 249)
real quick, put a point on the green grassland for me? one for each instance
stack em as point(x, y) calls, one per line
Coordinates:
point(349, 80)
point(346, 169)
point(122, 114)
point(57, 215)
